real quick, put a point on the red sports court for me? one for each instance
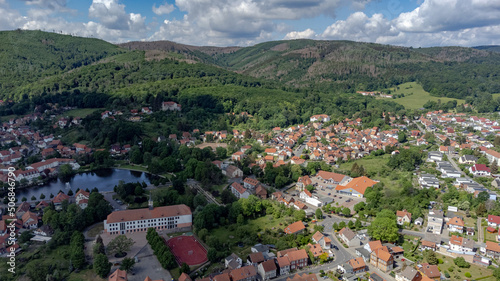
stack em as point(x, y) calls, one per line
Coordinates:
point(187, 249)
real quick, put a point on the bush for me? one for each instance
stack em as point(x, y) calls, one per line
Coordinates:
point(451, 269)
point(440, 261)
point(460, 262)
point(446, 274)
point(468, 275)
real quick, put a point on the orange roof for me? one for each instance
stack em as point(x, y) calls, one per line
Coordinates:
point(307, 192)
point(144, 214)
point(357, 263)
point(184, 277)
point(283, 261)
point(297, 255)
point(295, 227)
point(382, 254)
point(222, 277)
point(118, 275)
point(315, 249)
point(243, 272)
point(359, 184)
point(329, 175)
point(456, 221)
point(403, 213)
point(60, 197)
point(492, 246)
point(375, 245)
point(317, 236)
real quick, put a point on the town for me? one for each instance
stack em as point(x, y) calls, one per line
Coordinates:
point(412, 199)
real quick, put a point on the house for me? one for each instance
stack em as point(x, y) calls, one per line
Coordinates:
point(233, 261)
point(284, 265)
point(382, 259)
point(304, 277)
point(302, 182)
point(409, 274)
point(435, 221)
point(493, 221)
point(372, 245)
point(232, 171)
point(250, 183)
point(434, 156)
point(403, 217)
point(480, 170)
point(456, 224)
point(255, 258)
point(22, 209)
point(492, 249)
point(82, 198)
point(221, 277)
point(467, 159)
point(237, 156)
point(239, 191)
point(295, 228)
point(320, 118)
point(322, 240)
point(44, 230)
point(356, 187)
point(267, 269)
point(461, 244)
point(170, 105)
point(353, 266)
point(298, 258)
point(184, 277)
point(419, 221)
point(431, 271)
point(246, 273)
point(315, 249)
point(30, 220)
point(118, 275)
point(349, 237)
point(307, 196)
point(428, 245)
point(261, 192)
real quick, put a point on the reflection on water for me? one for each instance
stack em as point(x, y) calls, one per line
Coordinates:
point(104, 180)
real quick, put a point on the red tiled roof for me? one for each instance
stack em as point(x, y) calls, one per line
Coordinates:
point(359, 184)
point(143, 214)
point(494, 219)
point(295, 227)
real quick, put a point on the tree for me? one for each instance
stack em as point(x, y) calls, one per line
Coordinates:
point(447, 142)
point(358, 224)
point(70, 192)
point(346, 211)
point(42, 196)
point(24, 199)
point(102, 266)
point(65, 171)
point(127, 264)
point(460, 262)
point(350, 224)
point(494, 167)
point(25, 237)
point(33, 198)
point(384, 228)
point(185, 268)
point(496, 273)
point(120, 245)
point(319, 214)
point(431, 257)
point(335, 226)
point(402, 137)
point(212, 255)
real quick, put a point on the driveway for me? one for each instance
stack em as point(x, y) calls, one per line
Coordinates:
point(148, 265)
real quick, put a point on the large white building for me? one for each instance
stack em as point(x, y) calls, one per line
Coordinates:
point(170, 218)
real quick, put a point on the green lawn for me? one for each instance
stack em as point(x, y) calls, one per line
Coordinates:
point(490, 236)
point(81, 112)
point(419, 96)
point(96, 230)
point(376, 169)
point(475, 270)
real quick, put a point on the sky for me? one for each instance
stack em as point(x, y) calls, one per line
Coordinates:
point(416, 23)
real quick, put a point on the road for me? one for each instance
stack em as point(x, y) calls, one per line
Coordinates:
point(299, 149)
point(454, 164)
point(421, 234)
point(480, 231)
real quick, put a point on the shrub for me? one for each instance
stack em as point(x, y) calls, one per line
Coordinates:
point(468, 275)
point(440, 261)
point(451, 268)
point(460, 262)
point(446, 274)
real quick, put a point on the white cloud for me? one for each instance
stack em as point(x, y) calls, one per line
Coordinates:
point(112, 15)
point(164, 9)
point(307, 34)
point(359, 27)
point(449, 15)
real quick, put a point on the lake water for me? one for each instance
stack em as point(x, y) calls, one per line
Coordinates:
point(104, 180)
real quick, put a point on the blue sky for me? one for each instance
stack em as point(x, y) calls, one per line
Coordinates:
point(417, 23)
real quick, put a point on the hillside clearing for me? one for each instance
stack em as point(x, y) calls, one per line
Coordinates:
point(415, 96)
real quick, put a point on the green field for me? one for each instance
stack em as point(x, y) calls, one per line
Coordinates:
point(475, 270)
point(81, 112)
point(376, 169)
point(419, 96)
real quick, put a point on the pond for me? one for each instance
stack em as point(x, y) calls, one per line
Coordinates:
point(104, 180)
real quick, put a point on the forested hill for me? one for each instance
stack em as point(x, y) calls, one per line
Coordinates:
point(34, 63)
point(30, 56)
point(349, 66)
